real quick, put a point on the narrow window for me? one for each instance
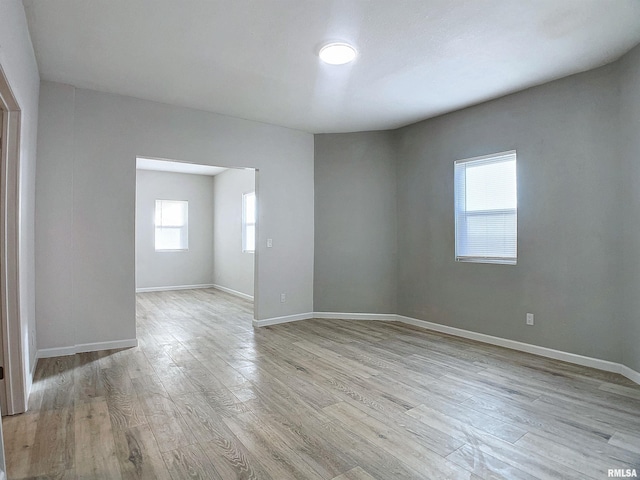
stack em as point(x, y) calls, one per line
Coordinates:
point(486, 209)
point(249, 222)
point(172, 225)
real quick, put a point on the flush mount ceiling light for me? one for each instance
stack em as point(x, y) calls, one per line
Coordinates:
point(337, 53)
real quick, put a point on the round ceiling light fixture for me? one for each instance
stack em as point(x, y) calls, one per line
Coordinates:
point(337, 53)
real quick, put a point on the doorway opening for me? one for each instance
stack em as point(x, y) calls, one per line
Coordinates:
point(196, 229)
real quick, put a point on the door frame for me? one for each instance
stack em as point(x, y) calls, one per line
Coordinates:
point(14, 339)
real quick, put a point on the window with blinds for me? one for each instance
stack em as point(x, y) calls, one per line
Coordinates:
point(172, 225)
point(486, 209)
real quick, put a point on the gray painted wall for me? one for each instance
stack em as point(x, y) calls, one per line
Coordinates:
point(355, 223)
point(54, 217)
point(630, 170)
point(106, 134)
point(168, 269)
point(18, 63)
point(232, 268)
point(565, 134)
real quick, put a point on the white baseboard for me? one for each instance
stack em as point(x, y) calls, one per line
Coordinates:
point(630, 374)
point(174, 287)
point(86, 347)
point(597, 363)
point(384, 317)
point(35, 364)
point(286, 319)
point(56, 352)
point(233, 292)
point(515, 345)
point(29, 385)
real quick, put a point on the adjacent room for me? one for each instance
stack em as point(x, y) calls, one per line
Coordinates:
point(319, 240)
point(195, 228)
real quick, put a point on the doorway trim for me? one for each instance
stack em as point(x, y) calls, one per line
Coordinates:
point(10, 322)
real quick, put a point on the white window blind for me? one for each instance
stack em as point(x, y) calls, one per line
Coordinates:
point(249, 222)
point(486, 209)
point(172, 225)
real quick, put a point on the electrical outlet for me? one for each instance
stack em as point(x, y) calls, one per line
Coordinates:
point(529, 318)
point(269, 242)
point(283, 297)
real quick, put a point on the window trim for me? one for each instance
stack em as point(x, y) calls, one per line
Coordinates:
point(245, 224)
point(487, 159)
point(185, 226)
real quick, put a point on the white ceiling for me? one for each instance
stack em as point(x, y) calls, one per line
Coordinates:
point(176, 167)
point(256, 59)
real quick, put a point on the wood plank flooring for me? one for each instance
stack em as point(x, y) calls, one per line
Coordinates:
point(206, 396)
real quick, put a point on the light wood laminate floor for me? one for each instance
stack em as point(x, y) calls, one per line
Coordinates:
point(207, 396)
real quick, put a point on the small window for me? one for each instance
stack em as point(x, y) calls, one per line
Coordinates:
point(172, 225)
point(249, 222)
point(486, 209)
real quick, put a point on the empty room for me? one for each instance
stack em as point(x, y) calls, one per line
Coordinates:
point(332, 239)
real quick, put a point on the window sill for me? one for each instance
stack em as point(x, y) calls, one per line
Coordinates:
point(491, 260)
